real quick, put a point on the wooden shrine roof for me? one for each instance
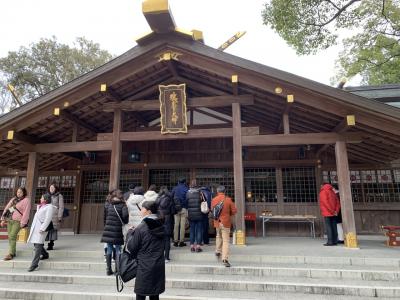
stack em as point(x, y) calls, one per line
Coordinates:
point(136, 74)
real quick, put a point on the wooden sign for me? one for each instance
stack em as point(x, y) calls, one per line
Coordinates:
point(173, 108)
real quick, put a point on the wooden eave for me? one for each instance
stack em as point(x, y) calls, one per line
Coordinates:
point(136, 74)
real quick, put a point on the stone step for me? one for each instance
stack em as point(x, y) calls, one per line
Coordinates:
point(217, 284)
point(279, 270)
point(208, 255)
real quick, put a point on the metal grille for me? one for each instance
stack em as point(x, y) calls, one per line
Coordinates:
point(214, 177)
point(299, 184)
point(95, 186)
point(260, 185)
point(355, 179)
point(379, 186)
point(65, 183)
point(7, 188)
point(130, 176)
point(168, 177)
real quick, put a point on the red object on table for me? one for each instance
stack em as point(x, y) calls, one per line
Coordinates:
point(252, 217)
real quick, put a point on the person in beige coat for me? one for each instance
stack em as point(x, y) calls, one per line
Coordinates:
point(41, 221)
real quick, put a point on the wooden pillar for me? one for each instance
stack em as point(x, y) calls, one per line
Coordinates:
point(75, 130)
point(346, 202)
point(238, 166)
point(115, 167)
point(78, 202)
point(32, 175)
point(285, 120)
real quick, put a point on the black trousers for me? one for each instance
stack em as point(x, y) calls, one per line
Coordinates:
point(167, 246)
point(141, 297)
point(331, 229)
point(39, 250)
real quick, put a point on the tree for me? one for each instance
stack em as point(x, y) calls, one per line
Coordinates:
point(373, 48)
point(47, 65)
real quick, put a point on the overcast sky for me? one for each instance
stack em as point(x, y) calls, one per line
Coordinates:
point(116, 24)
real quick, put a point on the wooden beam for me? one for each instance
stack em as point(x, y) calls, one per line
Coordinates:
point(200, 111)
point(214, 101)
point(300, 139)
point(192, 134)
point(69, 147)
point(75, 120)
point(341, 127)
point(75, 130)
point(285, 121)
point(346, 202)
point(238, 167)
point(115, 166)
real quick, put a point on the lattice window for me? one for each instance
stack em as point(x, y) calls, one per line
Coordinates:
point(168, 177)
point(95, 186)
point(7, 188)
point(130, 176)
point(381, 186)
point(260, 185)
point(214, 177)
point(65, 183)
point(299, 184)
point(355, 180)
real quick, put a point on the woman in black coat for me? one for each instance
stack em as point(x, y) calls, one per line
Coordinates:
point(115, 216)
point(146, 244)
point(165, 212)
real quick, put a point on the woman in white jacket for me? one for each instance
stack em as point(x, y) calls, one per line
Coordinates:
point(134, 204)
point(43, 216)
point(151, 194)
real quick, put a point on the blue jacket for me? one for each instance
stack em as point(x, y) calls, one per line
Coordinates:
point(179, 193)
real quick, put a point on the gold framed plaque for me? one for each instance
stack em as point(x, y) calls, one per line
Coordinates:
point(173, 108)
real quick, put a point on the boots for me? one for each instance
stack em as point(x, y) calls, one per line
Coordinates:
point(116, 263)
point(108, 262)
point(50, 245)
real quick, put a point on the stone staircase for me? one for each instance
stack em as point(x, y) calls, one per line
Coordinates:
point(79, 275)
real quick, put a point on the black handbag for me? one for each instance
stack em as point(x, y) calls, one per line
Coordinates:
point(127, 268)
point(50, 226)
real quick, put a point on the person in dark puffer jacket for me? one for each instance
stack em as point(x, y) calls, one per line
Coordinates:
point(115, 216)
point(195, 217)
point(165, 212)
point(146, 244)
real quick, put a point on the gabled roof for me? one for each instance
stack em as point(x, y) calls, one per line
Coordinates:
point(136, 74)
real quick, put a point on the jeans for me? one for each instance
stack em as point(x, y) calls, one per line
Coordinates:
point(331, 229)
point(179, 226)
point(206, 224)
point(222, 241)
point(196, 232)
point(110, 248)
point(13, 228)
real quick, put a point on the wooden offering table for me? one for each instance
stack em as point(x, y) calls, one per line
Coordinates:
point(290, 219)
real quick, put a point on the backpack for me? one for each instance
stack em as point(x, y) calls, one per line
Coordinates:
point(204, 205)
point(217, 209)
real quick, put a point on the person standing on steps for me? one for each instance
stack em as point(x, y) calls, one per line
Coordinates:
point(18, 210)
point(339, 221)
point(57, 200)
point(181, 206)
point(165, 211)
point(195, 217)
point(40, 225)
point(223, 224)
point(146, 244)
point(115, 217)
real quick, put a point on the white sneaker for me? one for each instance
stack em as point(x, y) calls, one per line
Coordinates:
point(167, 261)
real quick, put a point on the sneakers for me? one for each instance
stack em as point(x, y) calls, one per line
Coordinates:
point(217, 254)
point(226, 263)
point(44, 257)
point(199, 250)
point(167, 260)
point(176, 244)
point(182, 244)
point(192, 249)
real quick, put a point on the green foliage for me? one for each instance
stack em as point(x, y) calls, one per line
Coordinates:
point(372, 50)
point(49, 64)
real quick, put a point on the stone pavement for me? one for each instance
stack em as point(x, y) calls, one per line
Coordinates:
point(267, 268)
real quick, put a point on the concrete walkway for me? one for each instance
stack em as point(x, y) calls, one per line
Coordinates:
point(370, 247)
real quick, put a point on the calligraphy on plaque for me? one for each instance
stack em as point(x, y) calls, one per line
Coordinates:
point(173, 108)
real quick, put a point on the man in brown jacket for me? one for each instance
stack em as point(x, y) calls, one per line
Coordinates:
point(223, 224)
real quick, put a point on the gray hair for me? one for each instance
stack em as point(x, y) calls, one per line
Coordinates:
point(220, 189)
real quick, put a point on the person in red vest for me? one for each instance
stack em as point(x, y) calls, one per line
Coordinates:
point(329, 205)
